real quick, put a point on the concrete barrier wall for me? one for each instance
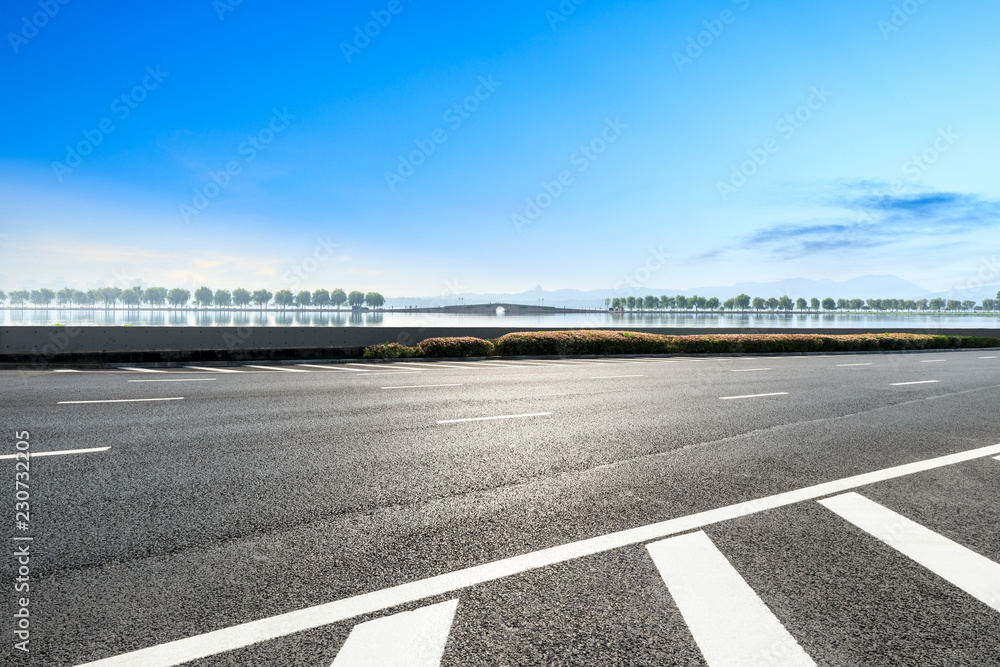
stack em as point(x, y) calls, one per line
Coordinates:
point(47, 344)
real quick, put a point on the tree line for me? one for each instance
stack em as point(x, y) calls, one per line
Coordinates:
point(204, 297)
point(785, 303)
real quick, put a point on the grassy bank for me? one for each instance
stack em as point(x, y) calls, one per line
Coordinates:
point(544, 343)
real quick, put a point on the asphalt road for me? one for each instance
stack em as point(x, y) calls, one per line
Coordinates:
point(254, 492)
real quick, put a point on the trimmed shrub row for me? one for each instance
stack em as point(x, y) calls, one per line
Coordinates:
point(544, 343)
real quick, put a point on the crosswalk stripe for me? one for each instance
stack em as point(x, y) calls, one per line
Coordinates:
point(215, 369)
point(975, 574)
point(408, 639)
point(729, 621)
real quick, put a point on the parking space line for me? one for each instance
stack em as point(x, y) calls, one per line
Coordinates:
point(141, 370)
point(423, 386)
point(59, 453)
point(408, 639)
point(179, 380)
point(215, 369)
point(234, 637)
point(124, 400)
point(277, 368)
point(728, 620)
point(732, 398)
point(901, 384)
point(481, 419)
point(973, 573)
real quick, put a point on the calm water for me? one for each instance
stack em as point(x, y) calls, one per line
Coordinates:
point(598, 319)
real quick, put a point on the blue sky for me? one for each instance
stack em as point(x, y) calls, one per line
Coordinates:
point(259, 145)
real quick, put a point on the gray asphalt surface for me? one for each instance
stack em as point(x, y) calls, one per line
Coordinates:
point(269, 491)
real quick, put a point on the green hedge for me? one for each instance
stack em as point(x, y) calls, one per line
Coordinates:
point(546, 343)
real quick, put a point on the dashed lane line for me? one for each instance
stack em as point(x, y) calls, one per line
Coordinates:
point(124, 400)
point(864, 364)
point(482, 419)
point(239, 636)
point(141, 370)
point(750, 370)
point(179, 380)
point(610, 377)
point(423, 386)
point(931, 361)
point(733, 398)
point(215, 369)
point(903, 384)
point(59, 453)
point(278, 368)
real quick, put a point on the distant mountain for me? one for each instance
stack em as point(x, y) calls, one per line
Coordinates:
point(862, 287)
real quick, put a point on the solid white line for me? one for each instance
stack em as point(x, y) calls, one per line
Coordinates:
point(124, 400)
point(993, 357)
point(141, 370)
point(481, 419)
point(408, 639)
point(607, 377)
point(235, 637)
point(900, 384)
point(931, 361)
point(866, 364)
point(731, 398)
point(179, 380)
point(215, 370)
point(65, 451)
point(748, 370)
point(277, 368)
point(66, 370)
point(729, 621)
point(323, 368)
point(975, 574)
point(422, 386)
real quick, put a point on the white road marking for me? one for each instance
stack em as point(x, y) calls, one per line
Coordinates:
point(434, 365)
point(729, 621)
point(997, 458)
point(732, 398)
point(931, 361)
point(865, 364)
point(141, 370)
point(66, 370)
point(423, 386)
point(749, 370)
point(123, 400)
point(277, 368)
point(324, 368)
point(59, 453)
point(504, 364)
point(993, 357)
point(900, 384)
point(481, 419)
point(408, 639)
point(215, 369)
point(235, 637)
point(179, 380)
point(608, 377)
point(975, 574)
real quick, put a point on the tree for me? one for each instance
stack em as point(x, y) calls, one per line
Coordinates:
point(284, 298)
point(616, 303)
point(356, 298)
point(241, 297)
point(3, 296)
point(131, 298)
point(607, 302)
point(829, 304)
point(303, 298)
point(261, 297)
point(630, 303)
point(968, 305)
point(681, 302)
point(338, 297)
point(178, 297)
point(921, 304)
point(953, 305)
point(203, 296)
point(155, 296)
point(742, 301)
point(651, 303)
point(669, 302)
point(223, 298)
point(857, 304)
point(759, 303)
point(730, 304)
point(814, 303)
point(785, 303)
point(772, 303)
point(936, 304)
point(801, 304)
point(712, 304)
point(18, 297)
point(64, 296)
point(321, 298)
point(374, 299)
point(109, 295)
